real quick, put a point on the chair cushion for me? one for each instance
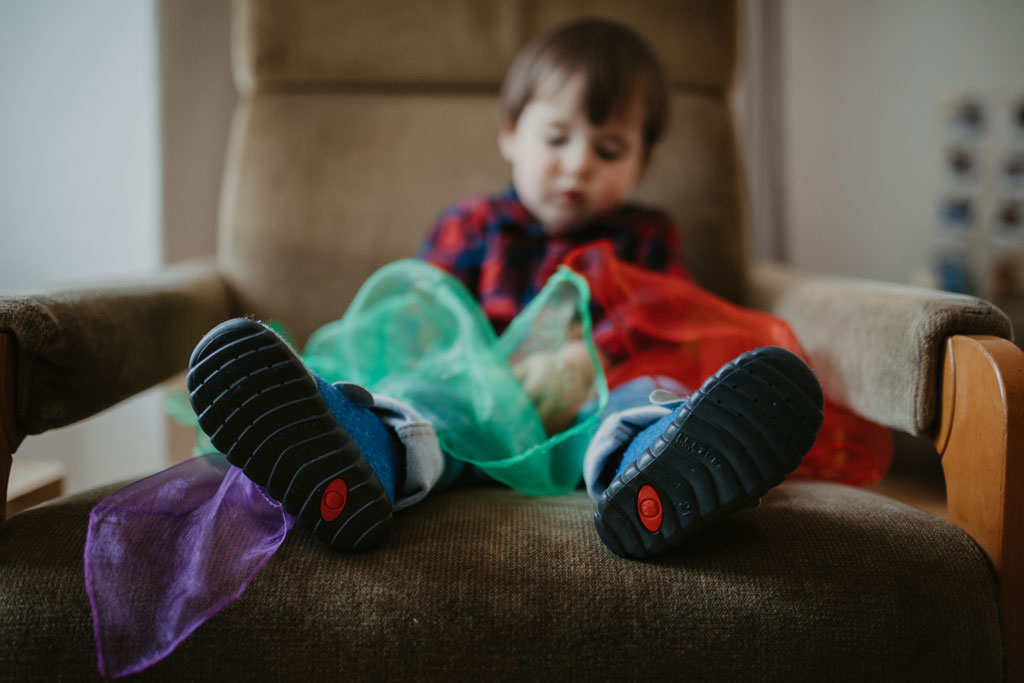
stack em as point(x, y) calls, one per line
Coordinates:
point(821, 582)
point(460, 43)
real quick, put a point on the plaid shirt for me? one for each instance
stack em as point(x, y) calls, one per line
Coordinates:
point(504, 256)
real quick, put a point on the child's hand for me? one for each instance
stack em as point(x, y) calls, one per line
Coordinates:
point(558, 382)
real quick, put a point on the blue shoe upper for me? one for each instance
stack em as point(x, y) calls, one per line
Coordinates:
point(644, 439)
point(373, 438)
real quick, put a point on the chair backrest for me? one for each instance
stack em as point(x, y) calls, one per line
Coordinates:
point(359, 120)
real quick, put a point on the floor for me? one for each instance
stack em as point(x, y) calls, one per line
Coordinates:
point(915, 477)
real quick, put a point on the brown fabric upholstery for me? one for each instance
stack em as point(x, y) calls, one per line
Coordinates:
point(875, 347)
point(821, 583)
point(328, 188)
point(83, 350)
point(457, 43)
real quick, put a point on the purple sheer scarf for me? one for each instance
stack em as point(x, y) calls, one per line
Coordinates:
point(167, 553)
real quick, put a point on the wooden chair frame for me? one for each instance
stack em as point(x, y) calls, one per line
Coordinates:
point(980, 437)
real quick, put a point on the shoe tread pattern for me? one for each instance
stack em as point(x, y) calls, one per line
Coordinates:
point(739, 435)
point(262, 409)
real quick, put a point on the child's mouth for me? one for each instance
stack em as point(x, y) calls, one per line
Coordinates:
point(572, 198)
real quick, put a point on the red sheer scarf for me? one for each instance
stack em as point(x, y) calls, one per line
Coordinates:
point(662, 324)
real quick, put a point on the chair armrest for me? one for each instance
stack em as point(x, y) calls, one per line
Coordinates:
point(929, 363)
point(68, 354)
point(80, 351)
point(876, 347)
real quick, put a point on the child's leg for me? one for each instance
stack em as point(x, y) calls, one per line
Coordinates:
point(326, 458)
point(739, 435)
point(631, 408)
point(418, 462)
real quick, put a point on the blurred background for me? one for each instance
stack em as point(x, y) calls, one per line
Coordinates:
point(885, 141)
point(113, 129)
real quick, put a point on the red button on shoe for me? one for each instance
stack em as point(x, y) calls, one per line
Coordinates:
point(648, 505)
point(333, 501)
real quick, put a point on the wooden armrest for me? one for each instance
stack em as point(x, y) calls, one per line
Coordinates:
point(981, 439)
point(10, 436)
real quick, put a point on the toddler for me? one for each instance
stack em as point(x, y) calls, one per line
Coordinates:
point(581, 113)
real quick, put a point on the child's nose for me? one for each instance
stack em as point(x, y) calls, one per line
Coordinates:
point(578, 159)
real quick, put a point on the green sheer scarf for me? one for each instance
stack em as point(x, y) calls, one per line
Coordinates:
point(416, 334)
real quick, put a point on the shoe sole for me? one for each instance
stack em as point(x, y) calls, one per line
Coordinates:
point(738, 436)
point(261, 408)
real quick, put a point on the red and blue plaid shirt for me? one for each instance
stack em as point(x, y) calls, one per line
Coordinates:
point(504, 256)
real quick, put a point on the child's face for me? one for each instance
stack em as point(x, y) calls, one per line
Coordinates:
point(565, 168)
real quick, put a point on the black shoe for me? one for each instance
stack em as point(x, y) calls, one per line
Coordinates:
point(261, 408)
point(739, 435)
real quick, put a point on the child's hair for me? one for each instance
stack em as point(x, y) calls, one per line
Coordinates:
point(616, 64)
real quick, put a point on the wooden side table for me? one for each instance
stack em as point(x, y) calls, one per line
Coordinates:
point(33, 481)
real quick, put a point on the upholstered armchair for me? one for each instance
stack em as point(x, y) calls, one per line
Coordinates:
point(357, 121)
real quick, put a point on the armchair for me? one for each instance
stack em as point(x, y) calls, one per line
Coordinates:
point(357, 121)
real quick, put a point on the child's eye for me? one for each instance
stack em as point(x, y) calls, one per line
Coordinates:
point(555, 140)
point(609, 152)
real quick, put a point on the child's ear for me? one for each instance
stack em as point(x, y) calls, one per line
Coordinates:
point(506, 142)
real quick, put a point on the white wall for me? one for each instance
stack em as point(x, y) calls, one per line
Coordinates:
point(864, 142)
point(79, 187)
